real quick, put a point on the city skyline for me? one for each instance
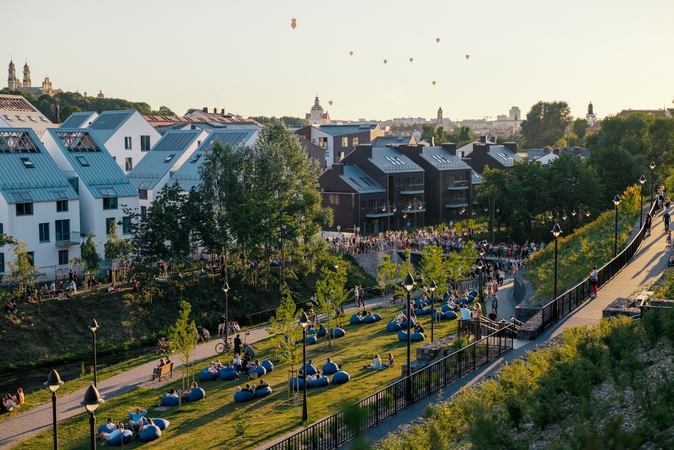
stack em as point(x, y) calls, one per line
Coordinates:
point(251, 62)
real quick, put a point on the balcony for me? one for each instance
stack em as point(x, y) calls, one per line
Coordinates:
point(375, 213)
point(412, 189)
point(415, 207)
point(68, 239)
point(456, 204)
point(457, 185)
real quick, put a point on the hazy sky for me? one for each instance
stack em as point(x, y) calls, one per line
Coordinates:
point(244, 56)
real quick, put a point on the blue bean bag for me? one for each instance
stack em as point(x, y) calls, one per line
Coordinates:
point(321, 382)
point(309, 370)
point(330, 368)
point(135, 426)
point(377, 317)
point(205, 375)
point(311, 331)
point(122, 438)
point(473, 292)
point(393, 326)
point(196, 394)
point(369, 319)
point(268, 365)
point(103, 428)
point(243, 396)
point(402, 335)
point(296, 383)
point(170, 400)
point(420, 311)
point(449, 315)
point(311, 340)
point(417, 337)
point(439, 316)
point(228, 373)
point(403, 326)
point(161, 423)
point(463, 300)
point(355, 320)
point(321, 332)
point(341, 377)
point(445, 308)
point(150, 433)
point(337, 333)
point(418, 304)
point(262, 391)
point(259, 371)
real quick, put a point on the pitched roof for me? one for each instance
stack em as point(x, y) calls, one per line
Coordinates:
point(188, 175)
point(93, 164)
point(108, 122)
point(16, 111)
point(161, 158)
point(389, 160)
point(360, 181)
point(340, 130)
point(441, 159)
point(27, 171)
point(79, 119)
point(503, 155)
point(383, 141)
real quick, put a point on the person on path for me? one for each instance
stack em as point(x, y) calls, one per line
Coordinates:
point(593, 281)
point(665, 218)
point(237, 344)
point(494, 304)
point(647, 225)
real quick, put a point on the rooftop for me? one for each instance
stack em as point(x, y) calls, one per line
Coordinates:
point(340, 130)
point(389, 160)
point(360, 181)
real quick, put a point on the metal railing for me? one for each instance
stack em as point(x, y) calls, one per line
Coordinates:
point(334, 430)
point(564, 304)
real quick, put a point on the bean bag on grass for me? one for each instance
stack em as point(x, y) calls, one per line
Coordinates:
point(296, 383)
point(439, 316)
point(243, 396)
point(369, 319)
point(445, 308)
point(196, 394)
point(103, 428)
point(262, 391)
point(161, 423)
point(228, 373)
point(170, 400)
point(471, 298)
point(403, 326)
point(309, 370)
point(259, 371)
point(311, 340)
point(420, 311)
point(341, 377)
point(337, 333)
point(150, 433)
point(355, 319)
point(402, 335)
point(321, 382)
point(330, 368)
point(377, 317)
point(393, 326)
point(473, 292)
point(205, 375)
point(268, 365)
point(449, 315)
point(123, 438)
point(417, 337)
point(321, 332)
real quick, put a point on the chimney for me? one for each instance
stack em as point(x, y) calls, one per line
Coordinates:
point(432, 141)
point(555, 151)
point(512, 146)
point(57, 114)
point(215, 110)
point(205, 109)
point(222, 111)
point(483, 139)
point(450, 147)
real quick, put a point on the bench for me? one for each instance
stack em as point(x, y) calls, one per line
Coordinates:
point(395, 297)
point(163, 370)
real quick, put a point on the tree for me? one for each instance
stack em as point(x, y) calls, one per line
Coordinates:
point(386, 274)
point(546, 123)
point(434, 267)
point(579, 127)
point(182, 335)
point(116, 249)
point(6, 240)
point(287, 120)
point(330, 294)
point(22, 269)
point(285, 330)
point(89, 258)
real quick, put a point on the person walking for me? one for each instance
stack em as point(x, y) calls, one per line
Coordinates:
point(647, 225)
point(665, 218)
point(593, 281)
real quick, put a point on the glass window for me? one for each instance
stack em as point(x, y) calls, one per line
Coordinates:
point(2, 262)
point(44, 232)
point(355, 141)
point(128, 164)
point(143, 211)
point(126, 225)
point(24, 209)
point(61, 205)
point(2, 228)
point(31, 258)
point(110, 203)
point(145, 143)
point(142, 194)
point(127, 143)
point(109, 224)
point(345, 141)
point(63, 257)
point(62, 230)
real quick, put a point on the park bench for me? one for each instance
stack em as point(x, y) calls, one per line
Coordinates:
point(163, 370)
point(396, 296)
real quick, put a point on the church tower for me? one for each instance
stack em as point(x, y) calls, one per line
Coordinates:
point(12, 82)
point(590, 117)
point(315, 116)
point(26, 75)
point(438, 122)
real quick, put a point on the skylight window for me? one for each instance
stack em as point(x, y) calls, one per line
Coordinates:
point(169, 157)
point(83, 161)
point(195, 158)
point(22, 197)
point(43, 119)
point(31, 119)
point(108, 192)
point(27, 162)
point(60, 194)
point(20, 119)
point(7, 118)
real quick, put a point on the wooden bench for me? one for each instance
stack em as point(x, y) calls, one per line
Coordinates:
point(163, 370)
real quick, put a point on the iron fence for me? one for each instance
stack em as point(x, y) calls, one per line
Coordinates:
point(334, 430)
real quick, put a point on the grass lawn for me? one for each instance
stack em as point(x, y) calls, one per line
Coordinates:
point(218, 421)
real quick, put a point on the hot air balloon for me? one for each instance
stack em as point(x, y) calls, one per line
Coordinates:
point(294, 20)
point(411, 59)
point(385, 61)
point(330, 102)
point(293, 25)
point(351, 53)
point(467, 56)
point(434, 83)
point(437, 40)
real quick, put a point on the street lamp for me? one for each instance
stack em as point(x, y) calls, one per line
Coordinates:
point(225, 289)
point(387, 208)
point(480, 266)
point(462, 212)
point(93, 326)
point(408, 284)
point(54, 382)
point(91, 401)
point(431, 288)
point(616, 202)
point(642, 180)
point(305, 323)
point(652, 166)
point(556, 231)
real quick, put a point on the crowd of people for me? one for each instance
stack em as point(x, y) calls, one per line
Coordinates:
point(8, 402)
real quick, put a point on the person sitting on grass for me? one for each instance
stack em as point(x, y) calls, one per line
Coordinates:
point(113, 290)
point(254, 365)
point(418, 328)
point(108, 436)
point(376, 363)
point(19, 397)
point(262, 384)
point(145, 425)
point(391, 361)
point(136, 418)
point(237, 362)
point(193, 387)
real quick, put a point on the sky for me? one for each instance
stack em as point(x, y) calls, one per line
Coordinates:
point(245, 56)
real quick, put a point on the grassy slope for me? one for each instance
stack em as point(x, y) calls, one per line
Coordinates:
point(215, 422)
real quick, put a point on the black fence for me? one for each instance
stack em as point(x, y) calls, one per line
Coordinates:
point(332, 431)
point(574, 297)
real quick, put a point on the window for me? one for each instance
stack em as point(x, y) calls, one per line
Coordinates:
point(24, 209)
point(143, 211)
point(62, 228)
point(2, 262)
point(82, 160)
point(109, 224)
point(126, 225)
point(61, 205)
point(27, 162)
point(110, 203)
point(142, 194)
point(31, 258)
point(355, 142)
point(44, 232)
point(345, 141)
point(341, 156)
point(362, 204)
point(1, 231)
point(63, 257)
point(127, 143)
point(128, 164)
point(145, 143)
point(169, 158)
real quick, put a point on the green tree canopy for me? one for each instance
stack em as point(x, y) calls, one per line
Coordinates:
point(546, 123)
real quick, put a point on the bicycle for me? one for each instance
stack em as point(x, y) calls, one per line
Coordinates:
point(225, 346)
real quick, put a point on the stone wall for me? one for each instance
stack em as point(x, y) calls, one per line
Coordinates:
point(531, 329)
point(428, 353)
point(621, 307)
point(370, 261)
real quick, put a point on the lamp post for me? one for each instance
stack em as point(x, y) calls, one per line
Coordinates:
point(480, 266)
point(616, 202)
point(652, 166)
point(462, 212)
point(225, 289)
point(93, 326)
point(91, 401)
point(431, 288)
point(387, 208)
point(642, 180)
point(305, 324)
point(54, 382)
point(556, 231)
point(408, 284)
